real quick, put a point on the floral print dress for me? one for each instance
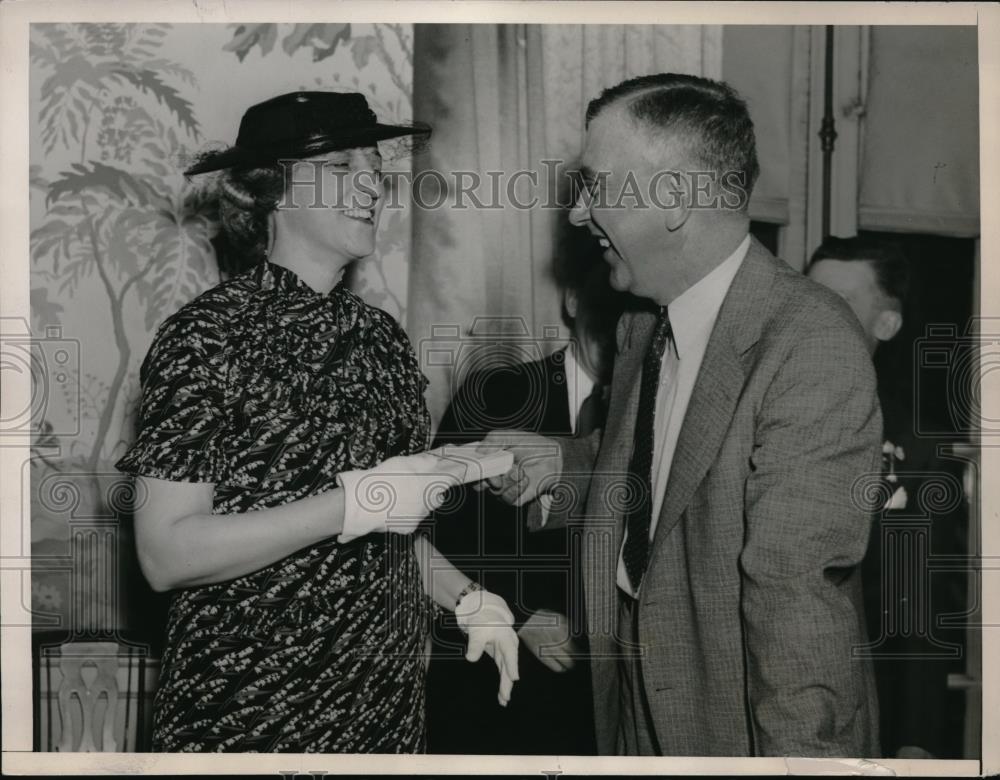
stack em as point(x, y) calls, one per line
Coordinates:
point(268, 389)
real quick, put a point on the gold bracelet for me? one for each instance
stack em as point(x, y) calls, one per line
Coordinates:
point(472, 587)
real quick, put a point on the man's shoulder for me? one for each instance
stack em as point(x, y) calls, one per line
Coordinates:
point(796, 306)
point(783, 323)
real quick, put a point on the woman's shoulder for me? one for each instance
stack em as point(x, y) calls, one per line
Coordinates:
point(211, 312)
point(381, 324)
point(202, 326)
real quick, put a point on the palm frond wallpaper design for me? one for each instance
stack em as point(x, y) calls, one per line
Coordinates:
point(120, 239)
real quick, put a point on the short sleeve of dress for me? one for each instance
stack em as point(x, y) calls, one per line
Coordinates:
point(181, 421)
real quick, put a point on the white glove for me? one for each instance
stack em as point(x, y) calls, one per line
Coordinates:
point(484, 616)
point(397, 494)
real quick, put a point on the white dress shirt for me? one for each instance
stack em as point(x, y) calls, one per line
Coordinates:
point(578, 383)
point(692, 317)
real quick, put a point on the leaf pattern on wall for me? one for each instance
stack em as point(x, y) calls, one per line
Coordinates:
point(323, 39)
point(86, 61)
point(148, 81)
point(120, 239)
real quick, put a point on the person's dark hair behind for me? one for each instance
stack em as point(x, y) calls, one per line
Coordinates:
point(886, 258)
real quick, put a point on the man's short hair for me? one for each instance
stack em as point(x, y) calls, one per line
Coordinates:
point(892, 272)
point(708, 116)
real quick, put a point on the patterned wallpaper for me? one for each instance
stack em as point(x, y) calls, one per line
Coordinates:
point(120, 240)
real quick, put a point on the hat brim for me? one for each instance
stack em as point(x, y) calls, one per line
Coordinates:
point(236, 156)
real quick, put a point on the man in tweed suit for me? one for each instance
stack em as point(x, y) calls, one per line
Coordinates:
point(721, 536)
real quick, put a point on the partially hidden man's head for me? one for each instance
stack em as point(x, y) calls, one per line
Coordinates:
point(872, 276)
point(669, 162)
point(590, 306)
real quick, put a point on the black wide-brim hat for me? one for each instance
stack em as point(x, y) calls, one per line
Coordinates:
point(303, 124)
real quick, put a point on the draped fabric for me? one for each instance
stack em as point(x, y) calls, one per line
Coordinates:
point(920, 163)
point(759, 62)
point(507, 98)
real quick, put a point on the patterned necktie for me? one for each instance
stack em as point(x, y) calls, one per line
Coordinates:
point(593, 410)
point(637, 521)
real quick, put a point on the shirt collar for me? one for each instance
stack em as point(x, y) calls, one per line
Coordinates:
point(693, 312)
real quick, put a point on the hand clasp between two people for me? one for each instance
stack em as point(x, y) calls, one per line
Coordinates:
point(537, 464)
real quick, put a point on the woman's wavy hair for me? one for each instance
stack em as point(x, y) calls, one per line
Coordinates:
point(247, 196)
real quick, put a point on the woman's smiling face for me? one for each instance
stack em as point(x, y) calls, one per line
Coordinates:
point(334, 201)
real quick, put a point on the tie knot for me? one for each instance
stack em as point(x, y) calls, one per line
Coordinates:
point(663, 318)
point(663, 333)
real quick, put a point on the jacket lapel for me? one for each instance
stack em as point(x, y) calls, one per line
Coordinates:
point(718, 386)
point(616, 450)
point(601, 558)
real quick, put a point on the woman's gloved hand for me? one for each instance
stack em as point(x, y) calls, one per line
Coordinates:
point(484, 616)
point(396, 495)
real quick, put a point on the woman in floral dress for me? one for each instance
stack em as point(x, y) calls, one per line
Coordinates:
point(278, 412)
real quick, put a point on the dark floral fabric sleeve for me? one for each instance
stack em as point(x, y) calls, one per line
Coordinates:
point(181, 419)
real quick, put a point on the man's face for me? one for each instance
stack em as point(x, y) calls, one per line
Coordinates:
point(616, 206)
point(855, 281)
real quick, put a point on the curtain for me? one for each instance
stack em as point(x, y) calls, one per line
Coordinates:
point(920, 161)
point(759, 64)
point(505, 99)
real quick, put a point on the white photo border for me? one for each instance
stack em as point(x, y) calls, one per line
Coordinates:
point(15, 641)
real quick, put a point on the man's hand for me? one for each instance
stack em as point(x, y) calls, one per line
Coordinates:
point(546, 635)
point(537, 464)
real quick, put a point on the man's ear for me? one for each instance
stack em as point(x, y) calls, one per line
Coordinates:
point(887, 324)
point(677, 216)
point(570, 303)
point(679, 207)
